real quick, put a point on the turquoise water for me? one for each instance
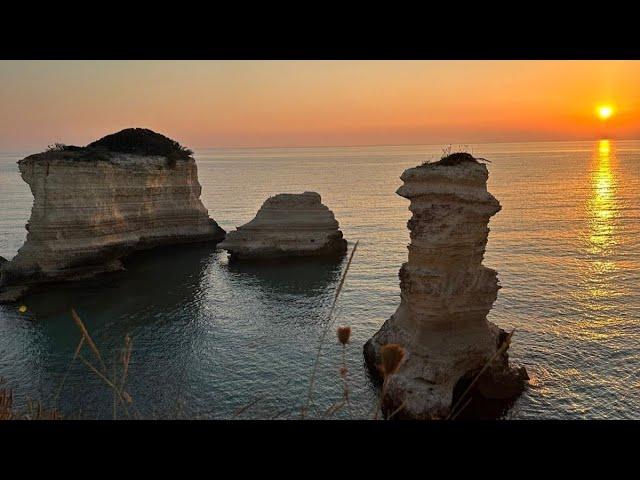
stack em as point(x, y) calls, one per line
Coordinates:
point(210, 338)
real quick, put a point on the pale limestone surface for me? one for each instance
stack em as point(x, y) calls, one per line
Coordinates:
point(88, 215)
point(288, 225)
point(446, 294)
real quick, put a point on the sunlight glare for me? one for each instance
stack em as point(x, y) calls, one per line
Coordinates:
point(605, 111)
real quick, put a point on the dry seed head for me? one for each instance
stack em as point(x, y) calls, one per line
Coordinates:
point(343, 334)
point(391, 355)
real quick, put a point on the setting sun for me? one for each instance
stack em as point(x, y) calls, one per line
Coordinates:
point(605, 111)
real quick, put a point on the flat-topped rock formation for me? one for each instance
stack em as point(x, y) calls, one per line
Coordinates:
point(288, 225)
point(446, 294)
point(94, 205)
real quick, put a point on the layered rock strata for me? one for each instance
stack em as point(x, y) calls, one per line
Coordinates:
point(446, 294)
point(93, 206)
point(288, 225)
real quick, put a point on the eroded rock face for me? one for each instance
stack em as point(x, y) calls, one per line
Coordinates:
point(446, 294)
point(288, 225)
point(90, 213)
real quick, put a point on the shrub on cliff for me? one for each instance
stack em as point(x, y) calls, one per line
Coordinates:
point(449, 158)
point(457, 158)
point(137, 141)
point(142, 141)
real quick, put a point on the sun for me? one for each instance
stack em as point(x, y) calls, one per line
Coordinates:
point(605, 111)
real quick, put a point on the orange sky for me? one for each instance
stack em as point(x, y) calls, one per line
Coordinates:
point(281, 103)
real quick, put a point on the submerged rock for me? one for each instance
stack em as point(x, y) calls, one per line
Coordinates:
point(446, 294)
point(94, 205)
point(288, 225)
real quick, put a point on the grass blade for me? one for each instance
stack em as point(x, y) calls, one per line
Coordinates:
point(87, 337)
point(326, 329)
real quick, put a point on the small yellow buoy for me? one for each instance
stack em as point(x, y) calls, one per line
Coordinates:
point(22, 308)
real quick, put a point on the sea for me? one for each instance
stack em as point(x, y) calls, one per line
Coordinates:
point(217, 340)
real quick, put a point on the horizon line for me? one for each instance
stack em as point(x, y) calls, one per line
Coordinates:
point(415, 144)
point(443, 144)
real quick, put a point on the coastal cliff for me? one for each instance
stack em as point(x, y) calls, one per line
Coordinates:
point(95, 205)
point(446, 294)
point(288, 225)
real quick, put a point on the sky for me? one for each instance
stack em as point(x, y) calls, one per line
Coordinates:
point(313, 103)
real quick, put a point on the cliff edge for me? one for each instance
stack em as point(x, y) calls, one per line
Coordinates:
point(95, 205)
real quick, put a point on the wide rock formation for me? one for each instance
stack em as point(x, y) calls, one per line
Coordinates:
point(446, 294)
point(288, 225)
point(94, 205)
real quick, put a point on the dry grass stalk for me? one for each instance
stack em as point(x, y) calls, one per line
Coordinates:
point(66, 373)
point(344, 333)
point(115, 382)
point(391, 356)
point(404, 402)
point(108, 382)
point(499, 352)
point(34, 410)
point(453, 416)
point(345, 384)
point(249, 405)
point(6, 401)
point(126, 359)
point(278, 414)
point(305, 408)
point(87, 337)
point(119, 392)
point(259, 398)
point(334, 408)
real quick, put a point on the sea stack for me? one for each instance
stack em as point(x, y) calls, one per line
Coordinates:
point(288, 225)
point(94, 205)
point(446, 294)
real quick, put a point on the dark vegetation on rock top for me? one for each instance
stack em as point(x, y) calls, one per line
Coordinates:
point(456, 159)
point(136, 141)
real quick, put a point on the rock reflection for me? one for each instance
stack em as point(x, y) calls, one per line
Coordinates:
point(305, 276)
point(159, 301)
point(157, 281)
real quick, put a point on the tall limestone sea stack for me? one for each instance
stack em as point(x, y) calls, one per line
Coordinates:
point(94, 205)
point(288, 225)
point(446, 294)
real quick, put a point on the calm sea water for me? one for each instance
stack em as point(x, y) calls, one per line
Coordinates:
point(210, 338)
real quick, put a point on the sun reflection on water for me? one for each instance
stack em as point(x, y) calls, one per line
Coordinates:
point(602, 213)
point(603, 208)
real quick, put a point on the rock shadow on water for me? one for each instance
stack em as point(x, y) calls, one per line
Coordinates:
point(158, 301)
point(308, 276)
point(158, 280)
